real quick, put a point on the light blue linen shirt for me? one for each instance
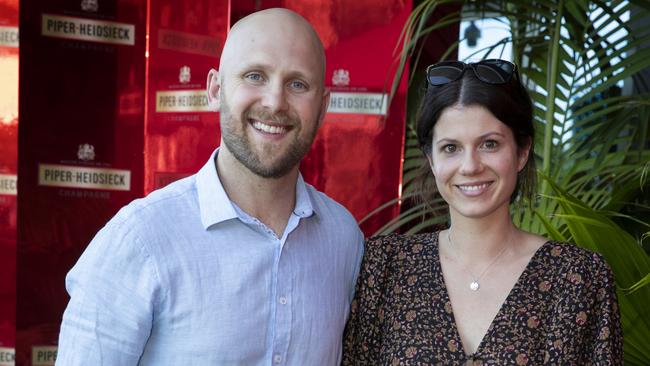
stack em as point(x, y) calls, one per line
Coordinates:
point(185, 277)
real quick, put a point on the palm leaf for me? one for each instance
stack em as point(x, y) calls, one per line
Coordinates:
point(631, 266)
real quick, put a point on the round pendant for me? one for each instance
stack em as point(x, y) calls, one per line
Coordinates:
point(474, 286)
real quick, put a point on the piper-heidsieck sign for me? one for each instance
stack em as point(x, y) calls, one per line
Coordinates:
point(88, 29)
point(7, 356)
point(8, 184)
point(179, 98)
point(55, 175)
point(44, 355)
point(8, 36)
point(196, 44)
point(182, 101)
point(358, 103)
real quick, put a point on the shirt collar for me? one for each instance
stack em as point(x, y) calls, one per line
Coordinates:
point(304, 207)
point(215, 205)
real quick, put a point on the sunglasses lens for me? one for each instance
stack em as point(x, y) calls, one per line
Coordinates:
point(444, 73)
point(494, 71)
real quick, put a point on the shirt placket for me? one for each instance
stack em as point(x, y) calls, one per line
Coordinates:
point(282, 288)
point(284, 298)
point(283, 313)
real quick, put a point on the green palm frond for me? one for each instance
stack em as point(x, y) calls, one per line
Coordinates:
point(595, 230)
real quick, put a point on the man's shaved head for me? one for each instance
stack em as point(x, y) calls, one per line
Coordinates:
point(279, 21)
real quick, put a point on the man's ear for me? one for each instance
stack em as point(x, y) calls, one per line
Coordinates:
point(214, 90)
point(323, 108)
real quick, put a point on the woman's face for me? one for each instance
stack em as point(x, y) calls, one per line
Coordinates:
point(475, 161)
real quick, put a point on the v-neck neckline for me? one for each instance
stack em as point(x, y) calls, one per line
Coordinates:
point(500, 313)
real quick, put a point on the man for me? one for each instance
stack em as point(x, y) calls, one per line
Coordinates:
point(242, 263)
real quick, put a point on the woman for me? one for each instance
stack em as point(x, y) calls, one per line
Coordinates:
point(481, 292)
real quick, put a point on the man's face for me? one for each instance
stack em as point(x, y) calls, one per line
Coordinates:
point(271, 96)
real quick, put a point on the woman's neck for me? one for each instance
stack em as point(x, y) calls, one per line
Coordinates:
point(477, 239)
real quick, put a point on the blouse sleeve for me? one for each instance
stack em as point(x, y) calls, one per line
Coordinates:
point(606, 344)
point(584, 327)
point(362, 338)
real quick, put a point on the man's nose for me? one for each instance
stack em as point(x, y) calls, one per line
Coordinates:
point(471, 163)
point(275, 98)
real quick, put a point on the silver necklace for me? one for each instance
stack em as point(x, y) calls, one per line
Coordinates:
point(474, 285)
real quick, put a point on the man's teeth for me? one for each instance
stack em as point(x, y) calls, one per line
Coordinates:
point(268, 128)
point(474, 187)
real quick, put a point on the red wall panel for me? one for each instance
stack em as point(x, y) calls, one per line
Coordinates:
point(8, 170)
point(92, 138)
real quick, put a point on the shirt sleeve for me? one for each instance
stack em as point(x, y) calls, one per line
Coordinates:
point(114, 290)
point(605, 343)
point(362, 337)
point(359, 243)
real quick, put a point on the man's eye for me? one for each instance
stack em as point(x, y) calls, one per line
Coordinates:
point(254, 77)
point(298, 85)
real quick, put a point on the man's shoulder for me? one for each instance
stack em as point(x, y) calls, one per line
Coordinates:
point(136, 231)
point(175, 196)
point(327, 206)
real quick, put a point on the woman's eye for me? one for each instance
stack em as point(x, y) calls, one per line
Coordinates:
point(449, 149)
point(490, 144)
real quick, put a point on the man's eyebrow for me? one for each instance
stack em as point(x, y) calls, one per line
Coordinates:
point(254, 66)
point(297, 74)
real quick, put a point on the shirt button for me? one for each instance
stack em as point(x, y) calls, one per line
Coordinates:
point(283, 300)
point(277, 358)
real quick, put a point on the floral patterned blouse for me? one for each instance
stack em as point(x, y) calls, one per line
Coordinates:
point(561, 311)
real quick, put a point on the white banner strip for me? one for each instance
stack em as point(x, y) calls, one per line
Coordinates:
point(44, 355)
point(8, 185)
point(7, 356)
point(358, 103)
point(9, 38)
point(195, 100)
point(53, 175)
point(88, 30)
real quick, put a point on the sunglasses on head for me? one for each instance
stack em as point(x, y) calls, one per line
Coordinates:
point(493, 71)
